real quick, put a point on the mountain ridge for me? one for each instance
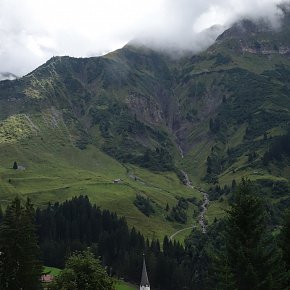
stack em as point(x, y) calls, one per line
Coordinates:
point(205, 114)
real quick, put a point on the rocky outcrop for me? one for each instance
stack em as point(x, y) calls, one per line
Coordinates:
point(146, 108)
point(265, 49)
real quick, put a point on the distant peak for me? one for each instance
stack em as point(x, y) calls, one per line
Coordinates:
point(244, 28)
point(7, 76)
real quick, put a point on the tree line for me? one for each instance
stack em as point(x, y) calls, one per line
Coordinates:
point(77, 224)
point(239, 251)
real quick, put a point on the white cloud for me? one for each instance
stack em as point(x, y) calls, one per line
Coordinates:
point(32, 31)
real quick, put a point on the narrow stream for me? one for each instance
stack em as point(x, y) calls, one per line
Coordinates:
point(201, 217)
point(205, 204)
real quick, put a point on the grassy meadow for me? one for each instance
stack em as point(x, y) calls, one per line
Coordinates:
point(120, 285)
point(51, 169)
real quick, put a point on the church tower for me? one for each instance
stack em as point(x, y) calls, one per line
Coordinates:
point(144, 285)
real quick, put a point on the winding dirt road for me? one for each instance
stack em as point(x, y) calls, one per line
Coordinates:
point(180, 231)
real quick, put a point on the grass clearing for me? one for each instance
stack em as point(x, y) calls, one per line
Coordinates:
point(216, 210)
point(52, 271)
point(121, 285)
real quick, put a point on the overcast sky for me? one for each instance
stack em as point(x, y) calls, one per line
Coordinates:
point(32, 31)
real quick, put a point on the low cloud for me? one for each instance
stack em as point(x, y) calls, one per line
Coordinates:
point(187, 25)
point(32, 31)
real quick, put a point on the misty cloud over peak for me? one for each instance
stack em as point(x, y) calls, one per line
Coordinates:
point(7, 76)
point(180, 44)
point(33, 31)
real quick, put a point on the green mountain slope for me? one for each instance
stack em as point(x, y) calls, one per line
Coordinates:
point(76, 125)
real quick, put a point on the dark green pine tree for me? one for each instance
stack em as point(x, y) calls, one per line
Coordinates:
point(15, 165)
point(1, 214)
point(251, 259)
point(285, 240)
point(21, 268)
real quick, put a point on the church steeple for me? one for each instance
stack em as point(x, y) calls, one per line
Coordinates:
point(144, 285)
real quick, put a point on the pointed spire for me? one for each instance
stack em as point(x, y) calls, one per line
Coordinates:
point(144, 278)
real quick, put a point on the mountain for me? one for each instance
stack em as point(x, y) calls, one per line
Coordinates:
point(137, 122)
point(7, 76)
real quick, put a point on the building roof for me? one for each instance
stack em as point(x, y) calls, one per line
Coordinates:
point(47, 278)
point(144, 277)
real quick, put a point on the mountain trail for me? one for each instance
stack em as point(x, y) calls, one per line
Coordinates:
point(182, 230)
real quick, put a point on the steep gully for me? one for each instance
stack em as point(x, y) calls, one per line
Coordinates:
point(204, 206)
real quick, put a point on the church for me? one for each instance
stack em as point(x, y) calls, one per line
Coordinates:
point(144, 285)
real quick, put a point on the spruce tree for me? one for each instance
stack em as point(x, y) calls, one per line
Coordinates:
point(21, 268)
point(1, 214)
point(15, 165)
point(251, 259)
point(285, 240)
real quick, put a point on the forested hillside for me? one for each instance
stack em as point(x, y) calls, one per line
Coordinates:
point(238, 252)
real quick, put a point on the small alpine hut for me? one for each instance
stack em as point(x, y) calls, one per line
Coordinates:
point(144, 285)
